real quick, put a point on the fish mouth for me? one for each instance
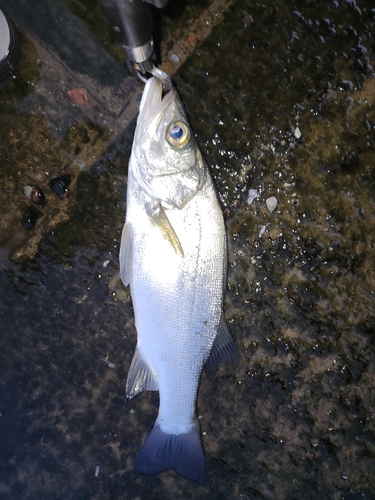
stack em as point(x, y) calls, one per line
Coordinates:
point(153, 103)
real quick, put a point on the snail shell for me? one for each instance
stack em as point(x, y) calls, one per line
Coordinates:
point(35, 194)
point(29, 217)
point(59, 184)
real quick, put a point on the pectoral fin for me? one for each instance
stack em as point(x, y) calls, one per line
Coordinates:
point(126, 249)
point(140, 377)
point(162, 222)
point(223, 350)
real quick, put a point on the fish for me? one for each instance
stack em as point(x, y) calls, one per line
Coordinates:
point(173, 254)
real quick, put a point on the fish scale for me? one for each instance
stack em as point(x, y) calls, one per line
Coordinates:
point(173, 255)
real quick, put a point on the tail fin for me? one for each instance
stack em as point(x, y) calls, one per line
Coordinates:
point(181, 452)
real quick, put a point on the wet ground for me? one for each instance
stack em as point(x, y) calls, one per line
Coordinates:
point(280, 95)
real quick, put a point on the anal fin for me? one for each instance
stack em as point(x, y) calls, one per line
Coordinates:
point(140, 377)
point(223, 350)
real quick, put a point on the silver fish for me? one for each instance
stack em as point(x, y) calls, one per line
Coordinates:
point(173, 254)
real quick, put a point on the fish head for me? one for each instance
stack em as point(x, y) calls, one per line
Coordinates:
point(166, 160)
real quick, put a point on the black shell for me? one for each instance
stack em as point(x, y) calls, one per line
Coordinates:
point(59, 184)
point(29, 217)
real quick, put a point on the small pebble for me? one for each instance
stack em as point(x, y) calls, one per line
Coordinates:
point(297, 133)
point(261, 232)
point(105, 263)
point(252, 194)
point(174, 58)
point(78, 96)
point(191, 39)
point(97, 470)
point(271, 203)
point(111, 365)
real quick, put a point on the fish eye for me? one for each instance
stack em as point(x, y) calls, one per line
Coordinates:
point(178, 134)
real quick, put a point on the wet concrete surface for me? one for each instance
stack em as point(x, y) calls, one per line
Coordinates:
point(280, 96)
